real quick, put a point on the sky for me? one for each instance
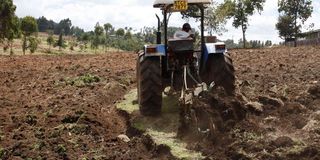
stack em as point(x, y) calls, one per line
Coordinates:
point(140, 13)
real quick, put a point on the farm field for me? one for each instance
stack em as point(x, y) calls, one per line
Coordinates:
point(64, 107)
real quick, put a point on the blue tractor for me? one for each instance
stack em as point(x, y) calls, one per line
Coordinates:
point(177, 62)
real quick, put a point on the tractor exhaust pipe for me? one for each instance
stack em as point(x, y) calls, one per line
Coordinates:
point(159, 31)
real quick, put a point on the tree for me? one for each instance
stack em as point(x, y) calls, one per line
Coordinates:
point(77, 32)
point(148, 34)
point(50, 40)
point(108, 28)
point(128, 34)
point(268, 43)
point(64, 25)
point(33, 44)
point(85, 39)
point(215, 20)
point(292, 14)
point(240, 10)
point(286, 27)
point(98, 32)
point(12, 33)
point(215, 17)
point(28, 28)
point(43, 24)
point(7, 12)
point(231, 44)
point(120, 33)
point(9, 23)
point(60, 43)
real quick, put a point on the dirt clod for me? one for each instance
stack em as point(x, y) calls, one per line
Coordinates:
point(255, 107)
point(266, 100)
point(282, 142)
point(315, 90)
point(124, 138)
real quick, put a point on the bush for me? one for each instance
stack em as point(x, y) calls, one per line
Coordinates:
point(33, 44)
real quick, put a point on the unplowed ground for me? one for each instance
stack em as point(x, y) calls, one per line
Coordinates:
point(63, 107)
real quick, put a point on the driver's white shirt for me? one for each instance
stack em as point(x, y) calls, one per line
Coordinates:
point(181, 35)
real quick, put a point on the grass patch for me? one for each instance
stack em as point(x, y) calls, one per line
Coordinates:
point(73, 118)
point(49, 113)
point(38, 145)
point(178, 148)
point(78, 128)
point(31, 120)
point(246, 136)
point(1, 152)
point(291, 151)
point(61, 150)
point(82, 81)
point(128, 104)
point(1, 135)
point(162, 129)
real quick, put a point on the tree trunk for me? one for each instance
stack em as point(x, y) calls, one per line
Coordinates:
point(243, 35)
point(295, 34)
point(24, 45)
point(244, 38)
point(295, 24)
point(49, 47)
point(11, 48)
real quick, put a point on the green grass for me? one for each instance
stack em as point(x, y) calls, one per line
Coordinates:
point(3, 152)
point(127, 104)
point(1, 135)
point(61, 150)
point(80, 81)
point(162, 129)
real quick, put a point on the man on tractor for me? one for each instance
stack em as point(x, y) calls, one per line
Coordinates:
point(185, 33)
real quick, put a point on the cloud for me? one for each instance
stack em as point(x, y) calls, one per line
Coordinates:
point(139, 13)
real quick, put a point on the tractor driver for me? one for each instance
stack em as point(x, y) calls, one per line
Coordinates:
point(185, 33)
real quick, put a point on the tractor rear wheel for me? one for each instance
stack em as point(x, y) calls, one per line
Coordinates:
point(149, 85)
point(219, 68)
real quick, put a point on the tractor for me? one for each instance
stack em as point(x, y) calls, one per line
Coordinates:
point(179, 64)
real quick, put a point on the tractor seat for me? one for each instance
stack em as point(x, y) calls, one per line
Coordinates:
point(180, 45)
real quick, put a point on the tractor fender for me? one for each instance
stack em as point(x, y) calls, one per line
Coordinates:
point(210, 49)
point(214, 48)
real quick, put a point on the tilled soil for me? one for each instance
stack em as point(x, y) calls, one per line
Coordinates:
point(286, 81)
point(279, 89)
point(62, 107)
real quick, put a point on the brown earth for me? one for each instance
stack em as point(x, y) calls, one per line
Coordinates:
point(62, 107)
point(279, 91)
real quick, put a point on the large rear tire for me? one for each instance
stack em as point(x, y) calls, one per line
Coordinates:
point(149, 85)
point(219, 68)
